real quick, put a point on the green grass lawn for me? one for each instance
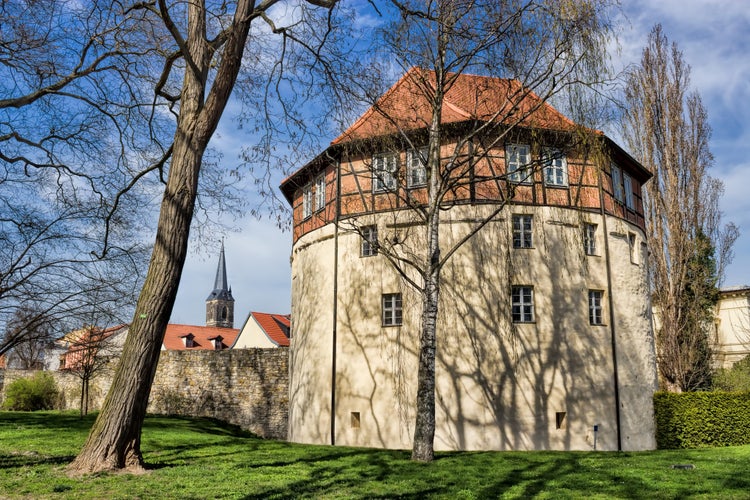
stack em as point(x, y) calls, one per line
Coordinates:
point(198, 458)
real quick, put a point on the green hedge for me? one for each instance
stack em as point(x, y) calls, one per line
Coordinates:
point(702, 419)
point(31, 394)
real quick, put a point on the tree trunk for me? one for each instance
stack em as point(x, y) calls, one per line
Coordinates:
point(424, 429)
point(114, 440)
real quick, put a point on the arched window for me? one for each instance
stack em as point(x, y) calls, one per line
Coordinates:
point(224, 313)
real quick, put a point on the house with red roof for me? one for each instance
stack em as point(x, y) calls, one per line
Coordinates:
point(195, 337)
point(264, 330)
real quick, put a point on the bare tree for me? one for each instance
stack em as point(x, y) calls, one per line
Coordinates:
point(90, 351)
point(666, 128)
point(208, 43)
point(531, 53)
point(28, 338)
point(71, 149)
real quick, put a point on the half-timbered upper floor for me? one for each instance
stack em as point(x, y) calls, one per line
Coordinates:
point(380, 163)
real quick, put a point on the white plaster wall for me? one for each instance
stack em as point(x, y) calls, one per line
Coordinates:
point(499, 384)
point(733, 327)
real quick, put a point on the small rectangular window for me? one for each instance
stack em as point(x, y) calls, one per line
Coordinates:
point(633, 250)
point(617, 182)
point(518, 163)
point(392, 309)
point(355, 420)
point(589, 239)
point(384, 167)
point(320, 192)
point(307, 199)
point(369, 241)
point(628, 186)
point(595, 307)
point(416, 167)
point(522, 231)
point(522, 304)
point(560, 420)
point(555, 168)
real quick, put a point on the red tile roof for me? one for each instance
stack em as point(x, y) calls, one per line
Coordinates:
point(203, 336)
point(276, 327)
point(405, 107)
point(470, 97)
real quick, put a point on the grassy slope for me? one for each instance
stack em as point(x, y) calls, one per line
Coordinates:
point(196, 458)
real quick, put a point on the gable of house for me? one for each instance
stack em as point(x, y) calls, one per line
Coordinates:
point(264, 330)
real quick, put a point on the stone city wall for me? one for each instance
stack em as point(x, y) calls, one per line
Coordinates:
point(245, 387)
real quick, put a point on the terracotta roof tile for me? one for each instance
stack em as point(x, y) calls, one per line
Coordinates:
point(202, 337)
point(405, 106)
point(276, 326)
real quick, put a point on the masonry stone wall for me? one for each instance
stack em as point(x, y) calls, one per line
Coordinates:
point(245, 387)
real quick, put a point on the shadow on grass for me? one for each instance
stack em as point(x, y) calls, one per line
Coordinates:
point(31, 459)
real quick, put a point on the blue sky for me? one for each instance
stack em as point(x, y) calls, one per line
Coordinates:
point(715, 39)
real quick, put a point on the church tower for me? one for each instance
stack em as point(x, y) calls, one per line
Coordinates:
point(220, 303)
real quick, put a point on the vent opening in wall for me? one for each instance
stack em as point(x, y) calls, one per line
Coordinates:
point(355, 420)
point(560, 420)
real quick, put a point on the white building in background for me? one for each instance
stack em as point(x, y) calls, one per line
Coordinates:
point(732, 326)
point(545, 338)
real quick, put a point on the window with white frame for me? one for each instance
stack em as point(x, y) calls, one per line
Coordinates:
point(522, 229)
point(617, 182)
point(518, 163)
point(307, 198)
point(595, 307)
point(320, 192)
point(369, 241)
point(589, 239)
point(522, 304)
point(628, 185)
point(555, 168)
point(416, 167)
point(384, 167)
point(392, 309)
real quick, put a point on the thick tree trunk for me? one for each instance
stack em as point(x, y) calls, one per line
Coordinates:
point(115, 439)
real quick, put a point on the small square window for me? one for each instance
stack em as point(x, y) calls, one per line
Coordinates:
point(589, 239)
point(369, 241)
point(522, 231)
point(595, 307)
point(416, 167)
point(384, 167)
point(518, 163)
point(522, 304)
point(392, 309)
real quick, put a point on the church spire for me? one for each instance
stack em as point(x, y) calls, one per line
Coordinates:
point(220, 283)
point(220, 303)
